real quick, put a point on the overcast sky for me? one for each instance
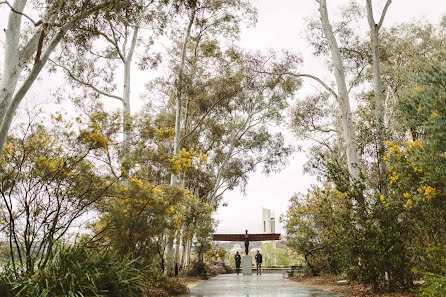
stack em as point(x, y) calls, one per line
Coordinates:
point(280, 26)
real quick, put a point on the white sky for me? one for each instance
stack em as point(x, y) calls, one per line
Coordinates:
point(280, 26)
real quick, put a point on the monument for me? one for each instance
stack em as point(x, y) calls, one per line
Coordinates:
point(246, 238)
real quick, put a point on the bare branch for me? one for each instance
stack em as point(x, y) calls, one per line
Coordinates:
point(383, 14)
point(36, 24)
point(113, 42)
point(86, 84)
point(355, 81)
point(320, 81)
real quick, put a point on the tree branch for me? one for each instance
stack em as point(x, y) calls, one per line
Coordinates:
point(84, 83)
point(36, 24)
point(383, 14)
point(320, 81)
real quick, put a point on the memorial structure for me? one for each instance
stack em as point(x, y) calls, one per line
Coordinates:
point(246, 238)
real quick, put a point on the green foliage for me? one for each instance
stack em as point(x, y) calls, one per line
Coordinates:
point(134, 220)
point(214, 255)
point(161, 285)
point(385, 241)
point(47, 181)
point(278, 257)
point(198, 268)
point(435, 285)
point(76, 271)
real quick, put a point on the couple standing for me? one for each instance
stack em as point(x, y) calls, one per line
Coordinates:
point(258, 257)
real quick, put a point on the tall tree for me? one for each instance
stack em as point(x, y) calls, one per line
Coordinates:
point(348, 128)
point(207, 13)
point(22, 52)
point(379, 95)
point(92, 66)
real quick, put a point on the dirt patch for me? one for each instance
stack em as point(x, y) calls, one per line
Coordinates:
point(190, 282)
point(353, 289)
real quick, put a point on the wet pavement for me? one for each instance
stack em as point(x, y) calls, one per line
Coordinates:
point(272, 285)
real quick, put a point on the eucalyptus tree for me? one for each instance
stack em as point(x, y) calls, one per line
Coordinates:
point(205, 17)
point(93, 64)
point(346, 62)
point(231, 109)
point(28, 47)
point(405, 50)
point(342, 97)
point(350, 55)
point(378, 90)
point(247, 140)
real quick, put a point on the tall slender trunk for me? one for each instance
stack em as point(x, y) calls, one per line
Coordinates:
point(379, 96)
point(126, 121)
point(126, 113)
point(343, 98)
point(188, 250)
point(177, 247)
point(16, 59)
point(177, 138)
point(184, 237)
point(11, 65)
point(11, 68)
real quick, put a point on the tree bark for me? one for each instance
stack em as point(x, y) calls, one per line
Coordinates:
point(379, 96)
point(177, 247)
point(176, 145)
point(126, 114)
point(344, 101)
point(11, 68)
point(15, 60)
point(183, 245)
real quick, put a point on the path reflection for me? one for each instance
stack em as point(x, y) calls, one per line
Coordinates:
point(266, 285)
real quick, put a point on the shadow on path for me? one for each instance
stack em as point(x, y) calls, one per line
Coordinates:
point(272, 285)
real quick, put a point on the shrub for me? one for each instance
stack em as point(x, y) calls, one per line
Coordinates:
point(198, 269)
point(215, 269)
point(76, 271)
point(161, 285)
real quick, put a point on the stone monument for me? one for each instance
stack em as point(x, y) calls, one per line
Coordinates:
point(247, 260)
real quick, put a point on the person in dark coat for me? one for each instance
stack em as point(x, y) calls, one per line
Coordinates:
point(238, 260)
point(259, 260)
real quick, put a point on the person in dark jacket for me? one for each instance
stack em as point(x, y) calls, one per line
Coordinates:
point(259, 260)
point(238, 260)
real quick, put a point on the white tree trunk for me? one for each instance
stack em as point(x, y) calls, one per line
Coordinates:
point(16, 59)
point(126, 121)
point(379, 96)
point(126, 113)
point(183, 246)
point(343, 98)
point(177, 247)
point(176, 143)
point(188, 251)
point(11, 67)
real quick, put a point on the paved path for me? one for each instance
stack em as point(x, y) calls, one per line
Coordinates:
point(271, 285)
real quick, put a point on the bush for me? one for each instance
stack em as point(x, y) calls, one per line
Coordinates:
point(161, 285)
point(198, 269)
point(228, 269)
point(215, 269)
point(76, 271)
